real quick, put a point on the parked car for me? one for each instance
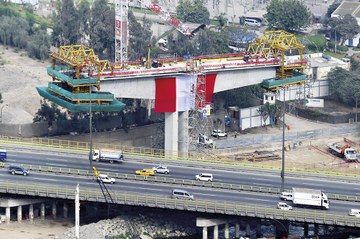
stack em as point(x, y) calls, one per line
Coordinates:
point(106, 179)
point(145, 172)
point(208, 177)
point(18, 170)
point(284, 206)
point(161, 169)
point(218, 133)
point(354, 212)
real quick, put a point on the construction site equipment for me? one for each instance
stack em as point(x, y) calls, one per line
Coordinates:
point(274, 44)
point(345, 151)
point(73, 86)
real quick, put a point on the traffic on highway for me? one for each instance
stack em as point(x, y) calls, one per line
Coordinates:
point(171, 170)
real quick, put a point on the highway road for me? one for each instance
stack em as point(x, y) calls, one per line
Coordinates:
point(183, 170)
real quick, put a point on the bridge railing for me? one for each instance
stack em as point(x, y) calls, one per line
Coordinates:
point(224, 156)
point(197, 205)
point(174, 181)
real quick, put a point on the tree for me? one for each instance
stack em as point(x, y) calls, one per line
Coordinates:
point(344, 84)
point(39, 45)
point(288, 15)
point(102, 33)
point(193, 11)
point(49, 113)
point(84, 19)
point(66, 24)
point(345, 27)
point(140, 37)
point(332, 8)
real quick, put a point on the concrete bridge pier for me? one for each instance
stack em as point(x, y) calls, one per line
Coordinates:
point(171, 134)
point(226, 231)
point(316, 229)
point(65, 210)
point(7, 214)
point(237, 231)
point(31, 212)
point(19, 213)
point(205, 233)
point(53, 209)
point(183, 132)
point(42, 211)
point(216, 232)
point(248, 230)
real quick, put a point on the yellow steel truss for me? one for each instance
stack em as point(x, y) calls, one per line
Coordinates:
point(275, 43)
point(81, 58)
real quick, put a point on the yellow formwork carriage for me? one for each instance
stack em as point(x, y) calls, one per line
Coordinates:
point(81, 58)
point(275, 43)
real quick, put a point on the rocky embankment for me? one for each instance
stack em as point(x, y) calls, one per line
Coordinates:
point(147, 226)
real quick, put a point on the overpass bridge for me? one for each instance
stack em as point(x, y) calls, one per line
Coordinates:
point(177, 85)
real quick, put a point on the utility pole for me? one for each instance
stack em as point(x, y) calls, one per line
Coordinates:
point(283, 148)
point(77, 212)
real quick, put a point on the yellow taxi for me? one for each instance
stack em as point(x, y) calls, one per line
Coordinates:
point(145, 172)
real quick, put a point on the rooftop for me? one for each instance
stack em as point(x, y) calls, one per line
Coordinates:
point(347, 7)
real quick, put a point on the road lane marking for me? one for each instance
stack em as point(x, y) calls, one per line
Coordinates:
point(313, 184)
point(56, 164)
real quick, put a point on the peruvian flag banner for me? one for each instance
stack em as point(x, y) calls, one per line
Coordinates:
point(173, 94)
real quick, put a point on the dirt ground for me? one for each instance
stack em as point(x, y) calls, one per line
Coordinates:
point(38, 229)
point(19, 77)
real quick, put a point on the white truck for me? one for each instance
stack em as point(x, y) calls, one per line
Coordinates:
point(204, 141)
point(344, 151)
point(310, 197)
point(107, 155)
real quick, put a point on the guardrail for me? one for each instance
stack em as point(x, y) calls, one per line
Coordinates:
point(174, 181)
point(169, 203)
point(159, 154)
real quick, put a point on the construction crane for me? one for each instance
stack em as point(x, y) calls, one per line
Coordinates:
point(122, 29)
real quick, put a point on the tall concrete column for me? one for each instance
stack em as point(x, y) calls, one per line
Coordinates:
point(42, 211)
point(237, 230)
point(226, 231)
point(183, 133)
point(65, 210)
point(7, 214)
point(205, 233)
point(19, 213)
point(53, 209)
point(171, 134)
point(31, 212)
point(258, 229)
point(216, 232)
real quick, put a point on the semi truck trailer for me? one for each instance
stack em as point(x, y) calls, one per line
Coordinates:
point(107, 155)
point(310, 197)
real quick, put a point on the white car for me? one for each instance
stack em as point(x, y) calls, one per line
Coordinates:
point(218, 133)
point(207, 177)
point(106, 179)
point(284, 206)
point(161, 169)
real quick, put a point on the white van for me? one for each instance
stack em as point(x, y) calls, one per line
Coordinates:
point(354, 212)
point(181, 194)
point(252, 22)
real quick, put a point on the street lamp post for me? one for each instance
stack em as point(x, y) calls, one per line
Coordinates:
point(2, 107)
point(283, 148)
point(90, 128)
